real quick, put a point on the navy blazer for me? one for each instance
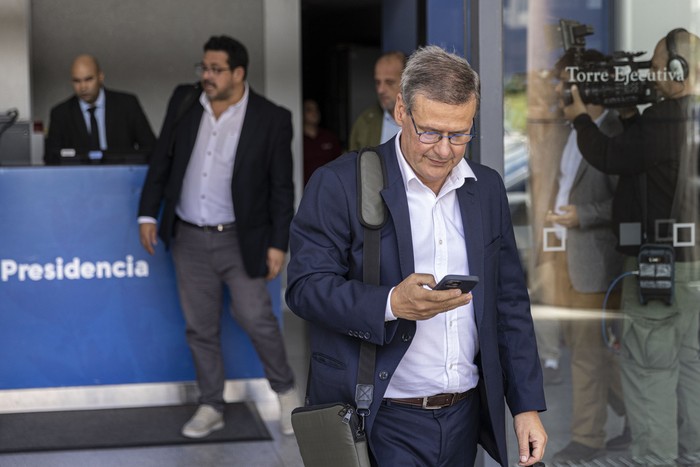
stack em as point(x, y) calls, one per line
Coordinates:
point(126, 126)
point(325, 288)
point(261, 187)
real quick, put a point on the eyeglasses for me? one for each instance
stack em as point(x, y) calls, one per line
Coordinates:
point(432, 137)
point(200, 69)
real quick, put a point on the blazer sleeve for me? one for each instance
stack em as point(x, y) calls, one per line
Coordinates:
point(53, 142)
point(281, 181)
point(522, 374)
point(161, 159)
point(325, 248)
point(143, 138)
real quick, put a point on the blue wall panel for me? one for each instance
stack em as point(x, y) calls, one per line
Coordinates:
point(81, 302)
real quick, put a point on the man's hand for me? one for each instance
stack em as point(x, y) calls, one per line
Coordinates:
point(627, 112)
point(149, 236)
point(532, 438)
point(577, 107)
point(568, 219)
point(410, 300)
point(275, 260)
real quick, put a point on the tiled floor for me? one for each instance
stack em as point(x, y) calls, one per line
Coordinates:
point(282, 451)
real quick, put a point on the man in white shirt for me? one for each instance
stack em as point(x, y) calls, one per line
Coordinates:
point(222, 170)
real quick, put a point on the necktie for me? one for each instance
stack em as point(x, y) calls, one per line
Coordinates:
point(94, 131)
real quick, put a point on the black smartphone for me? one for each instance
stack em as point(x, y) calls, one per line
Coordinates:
point(456, 281)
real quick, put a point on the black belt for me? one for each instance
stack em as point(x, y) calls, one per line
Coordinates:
point(210, 228)
point(438, 401)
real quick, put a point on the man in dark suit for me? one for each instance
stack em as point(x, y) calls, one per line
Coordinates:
point(445, 361)
point(122, 127)
point(222, 169)
point(580, 274)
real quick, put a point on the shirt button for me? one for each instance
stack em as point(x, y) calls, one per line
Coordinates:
point(383, 375)
point(213, 133)
point(440, 242)
point(204, 174)
point(406, 337)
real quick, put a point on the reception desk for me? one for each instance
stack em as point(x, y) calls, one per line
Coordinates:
point(81, 302)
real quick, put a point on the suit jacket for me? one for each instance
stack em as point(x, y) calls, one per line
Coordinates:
point(591, 255)
point(262, 188)
point(325, 288)
point(127, 128)
point(367, 129)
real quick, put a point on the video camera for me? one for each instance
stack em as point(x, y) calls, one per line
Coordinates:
point(616, 81)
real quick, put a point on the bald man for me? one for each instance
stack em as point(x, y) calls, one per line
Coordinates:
point(376, 124)
point(122, 128)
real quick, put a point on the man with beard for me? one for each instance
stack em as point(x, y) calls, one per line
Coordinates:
point(222, 169)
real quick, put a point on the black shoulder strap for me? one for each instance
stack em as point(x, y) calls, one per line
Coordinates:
point(371, 210)
point(372, 213)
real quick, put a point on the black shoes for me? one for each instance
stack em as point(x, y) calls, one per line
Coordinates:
point(620, 442)
point(577, 452)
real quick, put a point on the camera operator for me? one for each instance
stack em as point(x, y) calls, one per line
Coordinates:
point(655, 158)
point(581, 207)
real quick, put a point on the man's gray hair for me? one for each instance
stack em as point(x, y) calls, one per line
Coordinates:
point(439, 76)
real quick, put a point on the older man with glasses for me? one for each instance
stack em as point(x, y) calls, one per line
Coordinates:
point(446, 361)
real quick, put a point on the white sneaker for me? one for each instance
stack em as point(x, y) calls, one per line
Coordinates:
point(288, 401)
point(205, 420)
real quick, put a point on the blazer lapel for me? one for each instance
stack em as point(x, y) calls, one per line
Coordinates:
point(470, 208)
point(394, 196)
point(582, 166)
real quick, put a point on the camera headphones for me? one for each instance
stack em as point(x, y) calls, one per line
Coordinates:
point(676, 64)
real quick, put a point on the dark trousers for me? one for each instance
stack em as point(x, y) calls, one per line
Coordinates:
point(205, 262)
point(414, 437)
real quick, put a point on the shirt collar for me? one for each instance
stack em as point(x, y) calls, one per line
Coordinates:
point(388, 117)
point(455, 179)
point(601, 117)
point(204, 100)
point(99, 102)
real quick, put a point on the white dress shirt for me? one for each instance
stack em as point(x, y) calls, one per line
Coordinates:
point(441, 356)
point(206, 189)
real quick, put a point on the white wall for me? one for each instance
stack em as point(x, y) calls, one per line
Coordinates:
point(282, 39)
point(146, 47)
point(14, 57)
point(642, 23)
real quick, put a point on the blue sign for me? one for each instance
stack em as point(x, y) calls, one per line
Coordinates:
point(81, 302)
